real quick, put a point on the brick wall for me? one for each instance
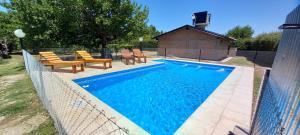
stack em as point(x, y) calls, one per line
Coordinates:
point(187, 43)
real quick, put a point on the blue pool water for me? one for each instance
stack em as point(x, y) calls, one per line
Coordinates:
point(158, 98)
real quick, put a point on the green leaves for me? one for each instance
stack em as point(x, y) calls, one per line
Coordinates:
point(266, 41)
point(8, 23)
point(262, 42)
point(241, 32)
point(88, 23)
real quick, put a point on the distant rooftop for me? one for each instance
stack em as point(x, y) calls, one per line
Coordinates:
point(198, 29)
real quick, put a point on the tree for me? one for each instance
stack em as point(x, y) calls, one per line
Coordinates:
point(8, 23)
point(243, 36)
point(108, 20)
point(239, 32)
point(262, 42)
point(89, 23)
point(152, 31)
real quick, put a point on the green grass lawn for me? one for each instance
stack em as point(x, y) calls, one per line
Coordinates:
point(257, 81)
point(240, 61)
point(19, 98)
point(12, 66)
point(46, 128)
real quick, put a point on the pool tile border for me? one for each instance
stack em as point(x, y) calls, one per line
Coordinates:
point(228, 106)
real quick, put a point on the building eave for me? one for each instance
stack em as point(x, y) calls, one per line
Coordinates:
point(198, 29)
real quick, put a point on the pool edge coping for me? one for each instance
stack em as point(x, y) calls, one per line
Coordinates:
point(186, 126)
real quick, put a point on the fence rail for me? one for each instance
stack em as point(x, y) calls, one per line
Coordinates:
point(71, 111)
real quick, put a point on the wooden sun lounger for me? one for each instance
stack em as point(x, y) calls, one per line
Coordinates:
point(137, 53)
point(87, 58)
point(125, 54)
point(51, 59)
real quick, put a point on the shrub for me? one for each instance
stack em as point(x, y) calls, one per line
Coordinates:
point(146, 44)
point(118, 47)
point(243, 44)
point(266, 42)
point(262, 42)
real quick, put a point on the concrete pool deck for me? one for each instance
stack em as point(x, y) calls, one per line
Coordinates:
point(228, 106)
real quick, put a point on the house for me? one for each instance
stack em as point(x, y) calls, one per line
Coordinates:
point(191, 41)
point(194, 41)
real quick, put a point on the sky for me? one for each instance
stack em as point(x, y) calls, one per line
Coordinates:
point(2, 9)
point(261, 15)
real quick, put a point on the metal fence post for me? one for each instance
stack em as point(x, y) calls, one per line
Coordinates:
point(254, 58)
point(28, 67)
point(199, 55)
point(165, 52)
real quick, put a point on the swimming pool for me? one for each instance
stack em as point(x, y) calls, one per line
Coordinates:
point(158, 98)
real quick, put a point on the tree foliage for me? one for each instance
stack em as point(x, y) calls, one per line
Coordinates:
point(266, 41)
point(239, 32)
point(88, 23)
point(262, 42)
point(8, 23)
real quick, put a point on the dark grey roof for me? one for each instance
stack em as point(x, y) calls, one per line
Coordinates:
point(198, 29)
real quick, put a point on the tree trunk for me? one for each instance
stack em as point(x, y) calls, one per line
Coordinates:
point(4, 50)
point(104, 51)
point(103, 42)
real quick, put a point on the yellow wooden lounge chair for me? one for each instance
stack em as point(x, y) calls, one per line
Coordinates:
point(87, 58)
point(51, 59)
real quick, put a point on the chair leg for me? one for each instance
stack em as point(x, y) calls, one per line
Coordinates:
point(82, 67)
point(74, 68)
point(139, 60)
point(127, 60)
point(52, 67)
point(110, 64)
point(133, 61)
point(145, 59)
point(104, 65)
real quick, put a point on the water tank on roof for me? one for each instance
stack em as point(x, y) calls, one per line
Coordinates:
point(201, 19)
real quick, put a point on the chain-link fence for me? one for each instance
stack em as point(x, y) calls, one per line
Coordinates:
point(278, 109)
point(197, 54)
point(72, 112)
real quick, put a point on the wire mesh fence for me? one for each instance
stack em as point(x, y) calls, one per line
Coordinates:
point(208, 54)
point(259, 58)
point(71, 111)
point(278, 111)
point(190, 53)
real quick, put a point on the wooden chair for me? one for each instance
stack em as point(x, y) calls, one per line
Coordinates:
point(87, 58)
point(137, 53)
point(125, 54)
point(51, 59)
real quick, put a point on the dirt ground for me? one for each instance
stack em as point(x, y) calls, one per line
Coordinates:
point(21, 111)
point(20, 124)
